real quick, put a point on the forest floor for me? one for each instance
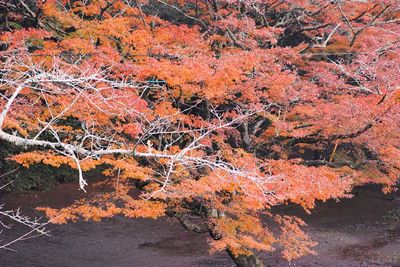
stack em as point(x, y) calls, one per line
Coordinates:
point(361, 231)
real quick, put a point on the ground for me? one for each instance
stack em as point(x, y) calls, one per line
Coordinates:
point(361, 231)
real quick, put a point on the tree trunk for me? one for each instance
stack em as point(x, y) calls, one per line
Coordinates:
point(246, 135)
point(245, 259)
point(206, 110)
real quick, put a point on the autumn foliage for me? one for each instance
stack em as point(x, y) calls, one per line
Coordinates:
point(211, 112)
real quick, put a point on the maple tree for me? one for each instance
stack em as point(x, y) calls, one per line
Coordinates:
point(215, 111)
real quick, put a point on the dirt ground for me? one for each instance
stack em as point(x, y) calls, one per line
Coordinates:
point(362, 231)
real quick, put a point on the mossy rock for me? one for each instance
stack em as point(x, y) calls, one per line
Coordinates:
point(36, 177)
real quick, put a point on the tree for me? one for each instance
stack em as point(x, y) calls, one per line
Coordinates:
point(215, 110)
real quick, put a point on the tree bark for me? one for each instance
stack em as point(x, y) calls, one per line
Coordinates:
point(245, 259)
